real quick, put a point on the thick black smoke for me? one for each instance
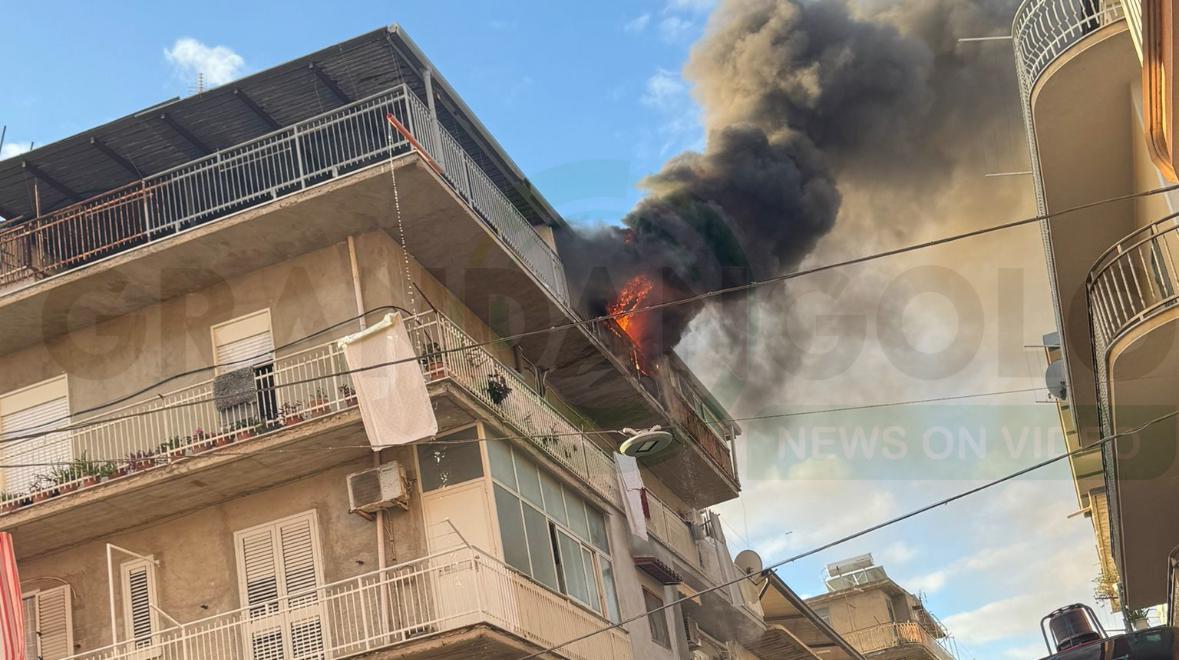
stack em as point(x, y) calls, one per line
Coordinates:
point(800, 101)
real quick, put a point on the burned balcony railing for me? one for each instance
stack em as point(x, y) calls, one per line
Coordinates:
point(386, 609)
point(293, 389)
point(268, 168)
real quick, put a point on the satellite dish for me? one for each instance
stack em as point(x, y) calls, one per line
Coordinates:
point(646, 442)
point(1054, 379)
point(749, 563)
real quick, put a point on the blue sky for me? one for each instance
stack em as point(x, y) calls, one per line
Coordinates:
point(588, 98)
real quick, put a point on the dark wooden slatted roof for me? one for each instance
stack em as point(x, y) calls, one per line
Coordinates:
point(181, 130)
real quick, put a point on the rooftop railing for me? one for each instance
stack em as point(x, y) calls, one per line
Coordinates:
point(1044, 29)
point(265, 169)
point(389, 608)
point(893, 635)
point(1134, 280)
point(291, 390)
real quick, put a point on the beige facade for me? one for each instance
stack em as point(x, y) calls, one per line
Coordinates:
point(160, 521)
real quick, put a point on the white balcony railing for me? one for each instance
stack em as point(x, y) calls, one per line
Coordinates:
point(260, 171)
point(667, 526)
point(393, 607)
point(296, 388)
point(1134, 280)
point(1044, 29)
point(894, 635)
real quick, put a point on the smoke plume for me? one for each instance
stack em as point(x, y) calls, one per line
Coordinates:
point(807, 106)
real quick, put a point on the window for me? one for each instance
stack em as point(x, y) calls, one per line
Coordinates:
point(824, 614)
point(139, 597)
point(279, 570)
point(49, 624)
point(247, 342)
point(550, 532)
point(657, 621)
point(36, 409)
point(444, 465)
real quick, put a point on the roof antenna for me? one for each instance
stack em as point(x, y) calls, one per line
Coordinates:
point(199, 88)
point(3, 132)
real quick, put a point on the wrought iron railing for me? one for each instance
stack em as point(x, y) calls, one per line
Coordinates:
point(1134, 280)
point(704, 435)
point(894, 635)
point(262, 170)
point(1044, 29)
point(295, 388)
point(384, 609)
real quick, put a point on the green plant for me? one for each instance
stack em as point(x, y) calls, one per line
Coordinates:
point(141, 460)
point(1105, 586)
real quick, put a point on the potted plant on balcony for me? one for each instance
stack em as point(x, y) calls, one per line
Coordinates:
point(291, 414)
point(140, 460)
point(200, 440)
point(319, 405)
point(175, 447)
point(348, 396)
point(498, 388)
point(432, 360)
point(43, 488)
point(111, 470)
point(247, 428)
point(9, 501)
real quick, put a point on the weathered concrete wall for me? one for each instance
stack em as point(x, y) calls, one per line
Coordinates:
point(857, 610)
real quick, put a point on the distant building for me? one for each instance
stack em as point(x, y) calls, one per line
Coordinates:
point(874, 614)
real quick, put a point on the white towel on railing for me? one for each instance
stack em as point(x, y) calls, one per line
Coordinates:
point(631, 482)
point(394, 403)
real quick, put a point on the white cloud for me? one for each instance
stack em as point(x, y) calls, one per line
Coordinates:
point(664, 90)
point(689, 5)
point(637, 24)
point(13, 149)
point(190, 58)
point(1033, 650)
point(674, 28)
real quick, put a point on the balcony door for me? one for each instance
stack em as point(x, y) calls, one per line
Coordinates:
point(34, 411)
point(279, 573)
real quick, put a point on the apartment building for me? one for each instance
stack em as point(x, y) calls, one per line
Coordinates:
point(874, 615)
point(1097, 87)
point(162, 509)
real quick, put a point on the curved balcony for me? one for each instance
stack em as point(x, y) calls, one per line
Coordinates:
point(1133, 281)
point(1044, 29)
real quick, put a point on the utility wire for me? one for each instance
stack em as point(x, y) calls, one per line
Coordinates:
point(708, 294)
point(867, 530)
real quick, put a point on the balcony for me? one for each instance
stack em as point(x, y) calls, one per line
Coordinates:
point(1044, 29)
point(453, 604)
point(669, 528)
point(899, 640)
point(1134, 280)
point(161, 443)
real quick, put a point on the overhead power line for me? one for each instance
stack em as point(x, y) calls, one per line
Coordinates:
point(865, 531)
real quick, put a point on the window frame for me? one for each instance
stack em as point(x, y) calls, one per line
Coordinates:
point(36, 595)
point(29, 397)
point(213, 329)
point(125, 570)
point(602, 607)
point(660, 635)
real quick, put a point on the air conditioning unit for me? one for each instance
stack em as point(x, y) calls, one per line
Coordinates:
point(379, 488)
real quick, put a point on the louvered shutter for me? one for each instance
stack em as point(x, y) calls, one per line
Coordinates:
point(280, 573)
point(244, 342)
point(39, 417)
point(53, 624)
point(138, 595)
point(32, 648)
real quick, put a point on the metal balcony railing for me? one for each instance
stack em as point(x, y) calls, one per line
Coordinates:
point(667, 526)
point(705, 436)
point(385, 609)
point(1134, 280)
point(893, 635)
point(260, 171)
point(294, 389)
point(1044, 29)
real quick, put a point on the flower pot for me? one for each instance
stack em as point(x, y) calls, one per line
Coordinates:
point(223, 440)
point(41, 496)
point(291, 420)
point(9, 506)
point(69, 487)
point(89, 481)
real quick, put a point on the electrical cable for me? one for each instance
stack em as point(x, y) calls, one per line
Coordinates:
point(867, 530)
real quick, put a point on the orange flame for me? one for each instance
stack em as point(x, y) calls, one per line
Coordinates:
point(630, 298)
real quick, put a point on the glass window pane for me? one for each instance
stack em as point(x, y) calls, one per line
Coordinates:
point(591, 580)
point(609, 589)
point(577, 520)
point(529, 480)
point(540, 548)
point(597, 525)
point(660, 634)
point(446, 465)
point(554, 503)
point(499, 453)
point(572, 567)
point(511, 529)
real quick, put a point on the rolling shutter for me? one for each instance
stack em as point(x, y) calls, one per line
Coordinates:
point(139, 593)
point(244, 342)
point(279, 571)
point(49, 624)
point(38, 409)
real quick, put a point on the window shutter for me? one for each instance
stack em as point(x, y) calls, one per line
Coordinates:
point(138, 596)
point(298, 561)
point(40, 417)
point(52, 620)
point(259, 569)
point(244, 342)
